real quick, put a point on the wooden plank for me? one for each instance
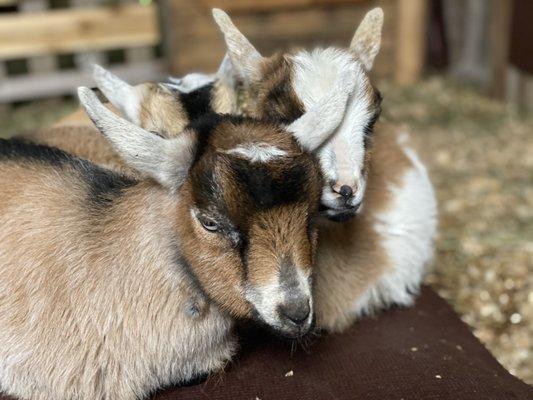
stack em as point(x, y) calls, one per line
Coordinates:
point(78, 30)
point(65, 82)
point(194, 42)
point(137, 54)
point(85, 60)
point(43, 63)
point(411, 36)
point(248, 6)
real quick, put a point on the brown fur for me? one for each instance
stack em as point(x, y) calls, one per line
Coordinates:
point(350, 257)
point(279, 232)
point(93, 306)
point(272, 96)
point(161, 111)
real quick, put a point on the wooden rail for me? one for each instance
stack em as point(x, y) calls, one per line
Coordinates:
point(77, 30)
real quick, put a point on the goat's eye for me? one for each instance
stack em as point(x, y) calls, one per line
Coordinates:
point(209, 224)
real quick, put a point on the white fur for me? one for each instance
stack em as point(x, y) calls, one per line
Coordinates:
point(409, 227)
point(122, 95)
point(342, 158)
point(324, 106)
point(196, 80)
point(192, 81)
point(258, 152)
point(268, 297)
point(166, 160)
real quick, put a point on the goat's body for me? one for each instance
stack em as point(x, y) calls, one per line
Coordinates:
point(378, 258)
point(372, 261)
point(94, 303)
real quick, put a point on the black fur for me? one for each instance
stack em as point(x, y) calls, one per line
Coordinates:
point(279, 105)
point(197, 102)
point(103, 185)
point(265, 189)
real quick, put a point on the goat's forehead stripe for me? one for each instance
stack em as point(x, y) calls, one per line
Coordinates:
point(257, 152)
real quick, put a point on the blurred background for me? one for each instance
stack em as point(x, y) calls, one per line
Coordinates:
point(459, 73)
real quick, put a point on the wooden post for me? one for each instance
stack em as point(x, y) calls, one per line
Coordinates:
point(500, 32)
point(411, 40)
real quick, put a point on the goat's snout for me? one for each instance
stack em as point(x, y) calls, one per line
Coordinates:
point(345, 191)
point(295, 312)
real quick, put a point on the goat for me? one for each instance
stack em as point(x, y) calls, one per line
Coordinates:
point(111, 286)
point(158, 107)
point(378, 258)
point(284, 86)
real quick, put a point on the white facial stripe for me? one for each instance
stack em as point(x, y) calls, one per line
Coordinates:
point(257, 152)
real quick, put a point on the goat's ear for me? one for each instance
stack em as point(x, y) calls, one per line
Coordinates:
point(122, 95)
point(165, 160)
point(367, 38)
point(245, 59)
point(319, 123)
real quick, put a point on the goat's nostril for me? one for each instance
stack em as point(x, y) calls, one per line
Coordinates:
point(297, 311)
point(346, 191)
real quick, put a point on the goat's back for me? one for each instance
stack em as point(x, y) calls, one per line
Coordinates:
point(92, 304)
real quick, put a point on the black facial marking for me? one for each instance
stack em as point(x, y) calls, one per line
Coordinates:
point(103, 185)
point(197, 102)
point(265, 189)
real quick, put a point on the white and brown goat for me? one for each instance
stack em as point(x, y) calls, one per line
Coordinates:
point(282, 87)
point(111, 287)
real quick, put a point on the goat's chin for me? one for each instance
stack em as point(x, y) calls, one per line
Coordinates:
point(338, 214)
point(288, 332)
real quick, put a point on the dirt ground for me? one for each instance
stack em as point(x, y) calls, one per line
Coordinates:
point(480, 156)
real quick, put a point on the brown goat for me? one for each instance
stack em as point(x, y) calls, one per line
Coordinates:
point(112, 286)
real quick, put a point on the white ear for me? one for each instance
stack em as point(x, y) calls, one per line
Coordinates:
point(165, 160)
point(319, 123)
point(122, 95)
point(367, 38)
point(244, 57)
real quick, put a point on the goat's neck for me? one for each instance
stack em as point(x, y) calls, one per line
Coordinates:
point(140, 226)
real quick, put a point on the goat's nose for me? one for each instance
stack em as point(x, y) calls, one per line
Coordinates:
point(296, 311)
point(346, 191)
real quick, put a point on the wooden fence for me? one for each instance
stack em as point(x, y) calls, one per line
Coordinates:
point(37, 39)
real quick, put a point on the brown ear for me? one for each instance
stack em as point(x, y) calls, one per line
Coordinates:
point(367, 38)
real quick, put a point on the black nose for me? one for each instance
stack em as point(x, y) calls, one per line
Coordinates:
point(295, 311)
point(346, 191)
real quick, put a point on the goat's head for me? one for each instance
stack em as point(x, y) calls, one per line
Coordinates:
point(248, 193)
point(167, 108)
point(285, 86)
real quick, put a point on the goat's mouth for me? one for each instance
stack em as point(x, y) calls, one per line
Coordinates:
point(288, 329)
point(339, 214)
point(340, 206)
point(291, 319)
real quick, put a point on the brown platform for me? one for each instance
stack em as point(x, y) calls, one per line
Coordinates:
point(421, 353)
